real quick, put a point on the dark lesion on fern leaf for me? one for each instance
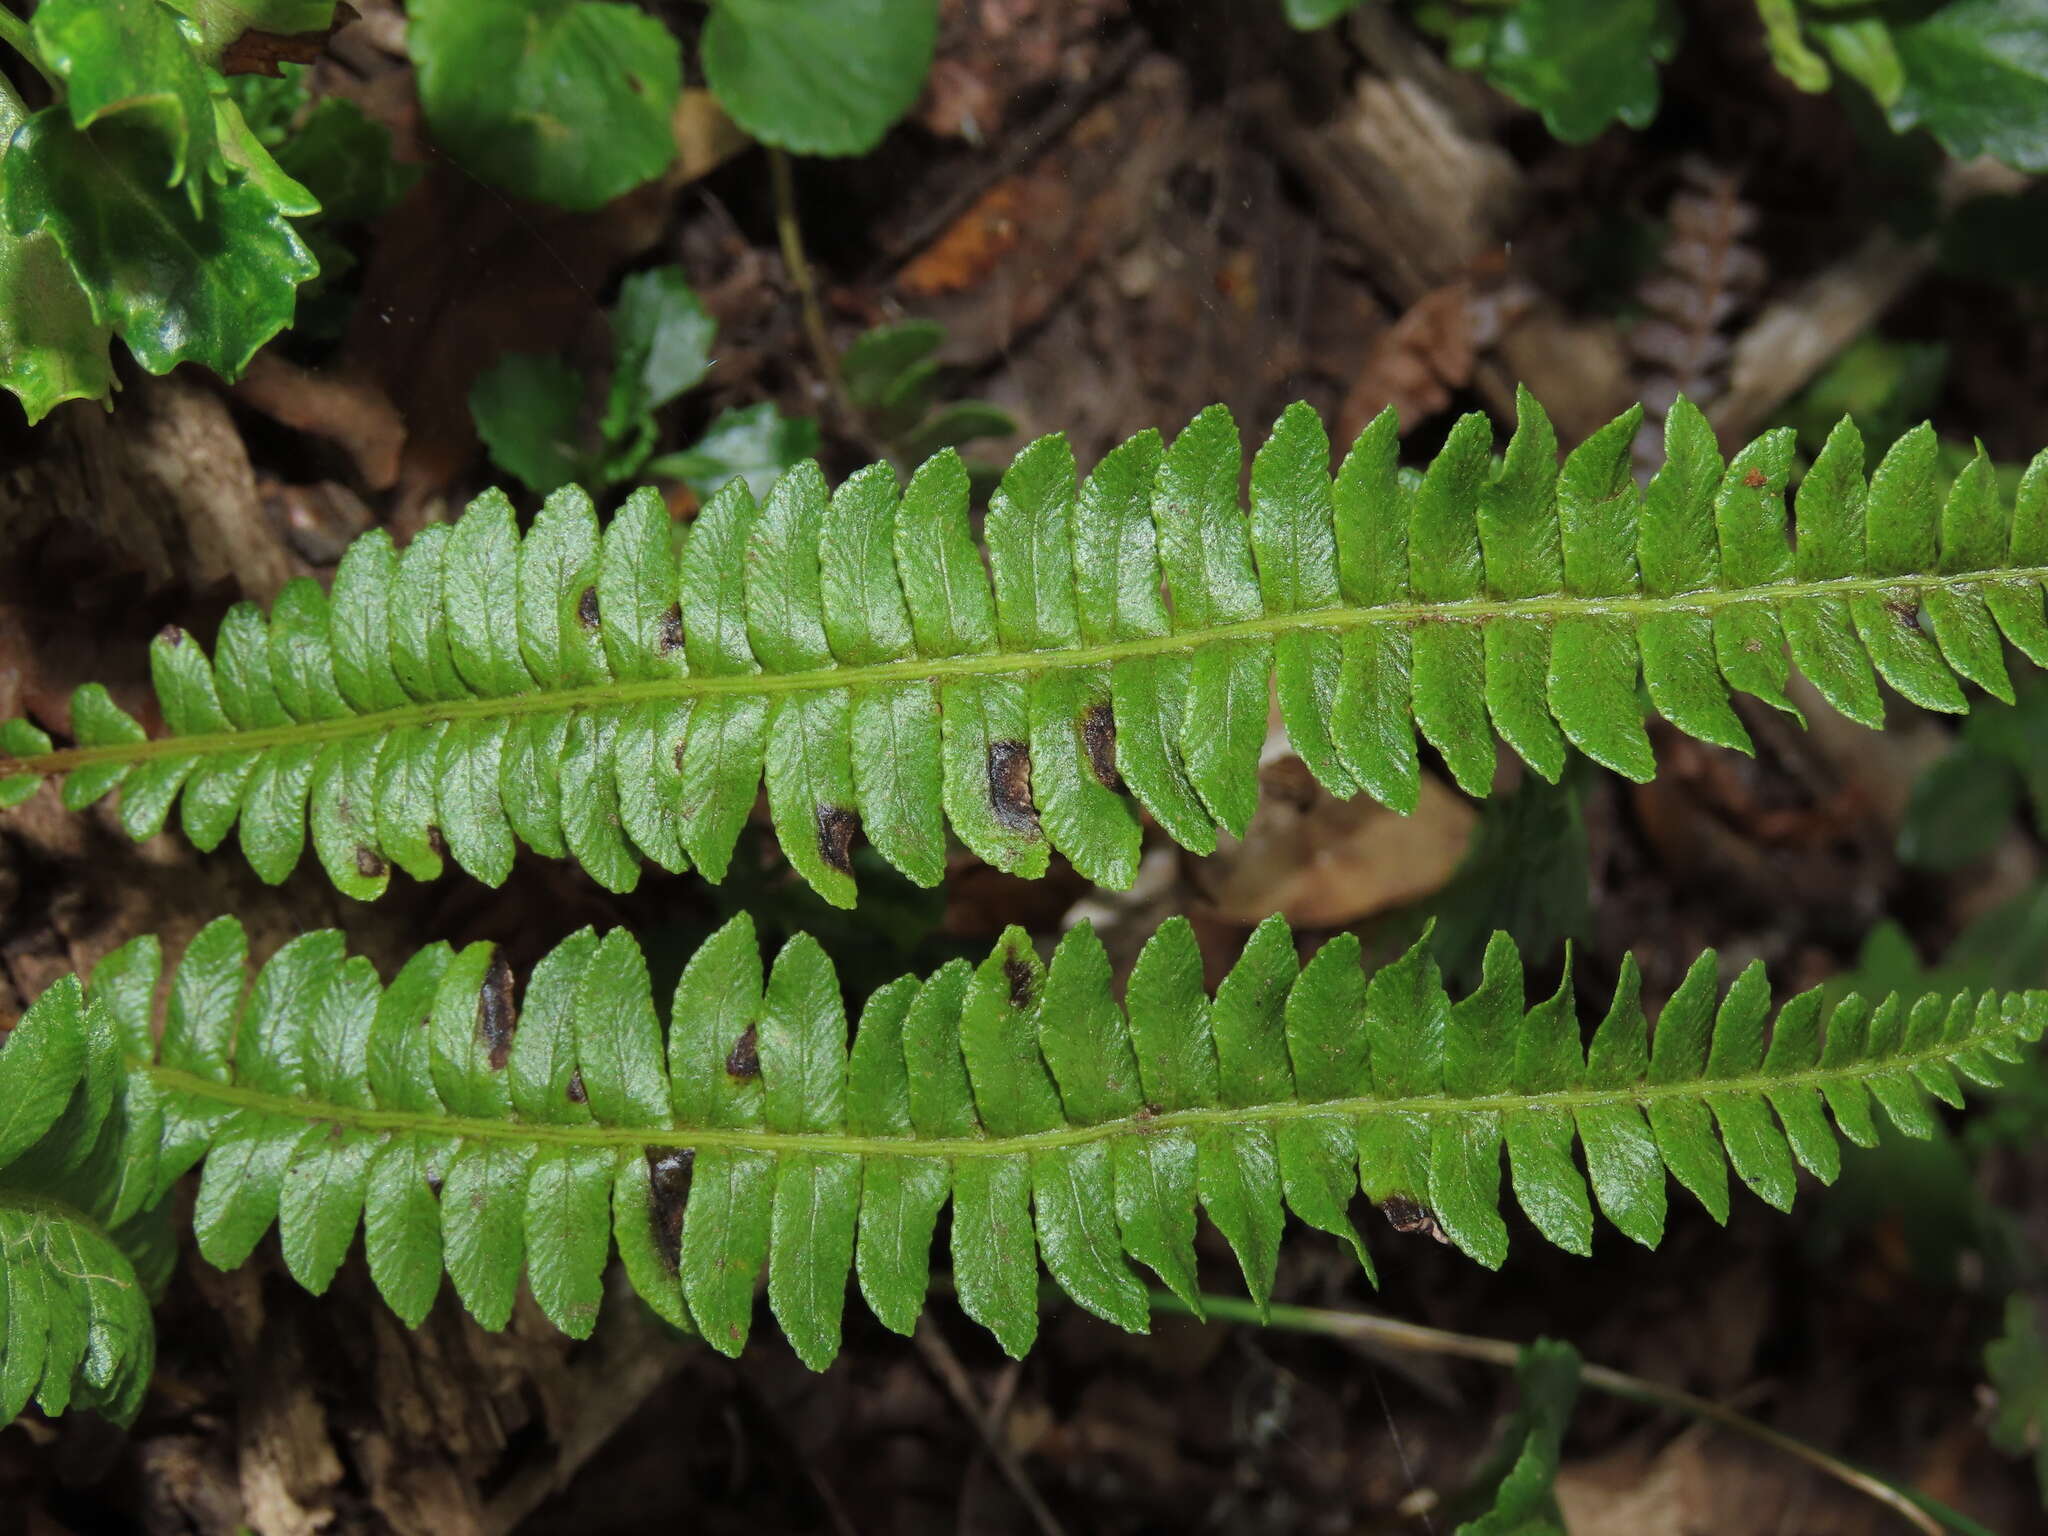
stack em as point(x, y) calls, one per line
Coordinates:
point(836, 827)
point(496, 1019)
point(668, 1192)
point(576, 1092)
point(1408, 1215)
point(672, 629)
point(1023, 984)
point(586, 608)
point(1009, 787)
point(171, 635)
point(369, 862)
point(744, 1059)
point(1098, 735)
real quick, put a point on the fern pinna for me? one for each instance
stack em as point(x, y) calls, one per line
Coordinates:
point(602, 695)
point(470, 1126)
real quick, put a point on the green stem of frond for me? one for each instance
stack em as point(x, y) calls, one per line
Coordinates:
point(234, 1096)
point(1479, 611)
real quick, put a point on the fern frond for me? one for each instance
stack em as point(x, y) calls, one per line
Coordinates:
point(470, 1128)
point(596, 694)
point(75, 1326)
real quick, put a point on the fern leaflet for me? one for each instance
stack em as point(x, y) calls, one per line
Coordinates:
point(598, 695)
point(75, 1329)
point(470, 1128)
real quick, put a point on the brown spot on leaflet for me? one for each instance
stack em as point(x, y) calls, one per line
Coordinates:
point(836, 826)
point(744, 1060)
point(672, 629)
point(1406, 1215)
point(369, 863)
point(170, 634)
point(1023, 985)
point(1009, 787)
point(668, 1184)
point(1754, 479)
point(576, 1092)
point(586, 608)
point(436, 841)
point(496, 1021)
point(1098, 735)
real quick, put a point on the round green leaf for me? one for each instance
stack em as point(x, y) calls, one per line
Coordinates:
point(821, 77)
point(562, 101)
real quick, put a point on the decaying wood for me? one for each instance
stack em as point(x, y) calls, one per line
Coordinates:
point(164, 482)
point(1407, 171)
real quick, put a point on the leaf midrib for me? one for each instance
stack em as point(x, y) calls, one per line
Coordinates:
point(938, 669)
point(1218, 1117)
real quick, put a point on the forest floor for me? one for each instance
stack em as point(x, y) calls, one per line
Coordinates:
point(1120, 213)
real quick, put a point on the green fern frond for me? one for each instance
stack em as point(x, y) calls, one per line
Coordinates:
point(75, 1326)
point(598, 695)
point(472, 1129)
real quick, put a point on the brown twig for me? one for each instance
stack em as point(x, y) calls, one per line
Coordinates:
point(1505, 1352)
point(945, 1365)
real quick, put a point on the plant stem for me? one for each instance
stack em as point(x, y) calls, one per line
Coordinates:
point(790, 232)
point(192, 1088)
point(1477, 611)
point(15, 33)
point(1923, 1513)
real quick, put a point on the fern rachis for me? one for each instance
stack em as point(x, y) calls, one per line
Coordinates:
point(595, 694)
point(472, 1127)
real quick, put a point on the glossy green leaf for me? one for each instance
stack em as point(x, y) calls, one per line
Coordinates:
point(176, 286)
point(1976, 74)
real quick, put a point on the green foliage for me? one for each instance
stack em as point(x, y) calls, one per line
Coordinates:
point(531, 409)
point(1962, 805)
point(1885, 385)
point(1974, 72)
point(895, 382)
point(754, 444)
point(1581, 63)
point(1523, 1501)
point(1526, 874)
point(52, 346)
point(138, 203)
point(343, 161)
point(2017, 1365)
point(472, 1128)
point(1306, 15)
point(564, 101)
point(213, 24)
point(602, 696)
point(821, 77)
point(102, 199)
point(569, 101)
point(75, 1328)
